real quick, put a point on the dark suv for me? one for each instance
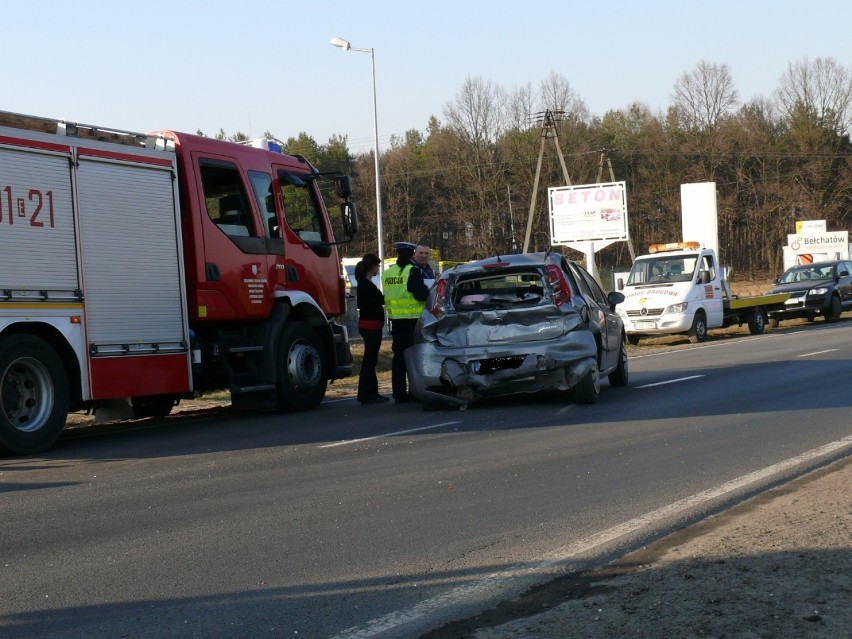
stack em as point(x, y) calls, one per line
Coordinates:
point(820, 288)
point(516, 324)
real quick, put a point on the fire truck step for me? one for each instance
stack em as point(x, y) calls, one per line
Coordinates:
point(244, 349)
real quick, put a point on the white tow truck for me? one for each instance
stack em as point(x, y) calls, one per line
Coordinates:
point(679, 288)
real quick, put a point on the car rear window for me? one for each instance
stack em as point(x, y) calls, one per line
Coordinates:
point(499, 290)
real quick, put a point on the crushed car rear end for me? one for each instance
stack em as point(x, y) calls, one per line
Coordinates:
point(496, 327)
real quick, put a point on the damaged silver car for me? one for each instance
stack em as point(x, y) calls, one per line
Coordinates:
point(516, 324)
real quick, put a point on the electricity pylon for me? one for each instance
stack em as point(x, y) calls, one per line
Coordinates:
point(548, 130)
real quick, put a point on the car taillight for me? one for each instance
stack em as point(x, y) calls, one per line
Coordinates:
point(438, 303)
point(558, 284)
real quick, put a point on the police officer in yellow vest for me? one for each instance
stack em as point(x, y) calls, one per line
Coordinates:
point(405, 297)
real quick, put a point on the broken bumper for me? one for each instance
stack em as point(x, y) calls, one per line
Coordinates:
point(454, 375)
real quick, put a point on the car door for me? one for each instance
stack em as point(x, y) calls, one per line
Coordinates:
point(600, 313)
point(844, 284)
point(611, 327)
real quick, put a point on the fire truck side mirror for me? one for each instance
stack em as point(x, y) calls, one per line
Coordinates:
point(343, 186)
point(350, 218)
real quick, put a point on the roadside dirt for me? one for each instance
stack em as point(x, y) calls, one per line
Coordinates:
point(777, 566)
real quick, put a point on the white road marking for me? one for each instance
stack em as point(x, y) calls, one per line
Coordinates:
point(671, 381)
point(494, 581)
point(393, 434)
point(830, 350)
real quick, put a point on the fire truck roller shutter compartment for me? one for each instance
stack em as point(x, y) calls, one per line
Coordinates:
point(37, 219)
point(132, 276)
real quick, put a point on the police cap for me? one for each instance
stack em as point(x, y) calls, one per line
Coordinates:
point(405, 246)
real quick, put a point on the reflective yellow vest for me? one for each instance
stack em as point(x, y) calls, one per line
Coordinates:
point(401, 304)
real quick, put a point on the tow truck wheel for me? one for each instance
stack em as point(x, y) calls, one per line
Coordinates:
point(34, 395)
point(698, 332)
point(758, 322)
point(588, 390)
point(301, 369)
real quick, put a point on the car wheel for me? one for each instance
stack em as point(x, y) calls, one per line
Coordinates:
point(633, 340)
point(758, 322)
point(698, 332)
point(834, 309)
point(618, 377)
point(773, 322)
point(588, 390)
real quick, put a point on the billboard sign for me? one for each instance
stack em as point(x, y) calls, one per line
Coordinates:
point(588, 213)
point(699, 215)
point(810, 227)
point(830, 245)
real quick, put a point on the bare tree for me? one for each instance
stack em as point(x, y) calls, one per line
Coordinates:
point(520, 104)
point(704, 95)
point(477, 113)
point(556, 94)
point(476, 121)
point(821, 89)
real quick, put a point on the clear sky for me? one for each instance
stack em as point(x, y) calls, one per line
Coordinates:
point(257, 65)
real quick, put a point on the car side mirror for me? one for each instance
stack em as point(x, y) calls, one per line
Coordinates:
point(615, 298)
point(619, 283)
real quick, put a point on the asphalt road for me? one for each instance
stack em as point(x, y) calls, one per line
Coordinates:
point(388, 521)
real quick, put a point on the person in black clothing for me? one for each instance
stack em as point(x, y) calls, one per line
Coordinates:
point(371, 323)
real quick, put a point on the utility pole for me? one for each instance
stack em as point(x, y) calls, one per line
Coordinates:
point(548, 130)
point(512, 221)
point(605, 156)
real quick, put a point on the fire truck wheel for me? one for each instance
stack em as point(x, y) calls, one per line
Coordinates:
point(34, 395)
point(301, 368)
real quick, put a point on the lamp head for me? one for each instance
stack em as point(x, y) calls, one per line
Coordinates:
point(341, 43)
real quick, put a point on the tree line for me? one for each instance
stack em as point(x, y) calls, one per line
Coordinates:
point(464, 184)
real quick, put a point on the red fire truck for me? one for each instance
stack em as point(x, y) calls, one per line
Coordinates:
point(160, 266)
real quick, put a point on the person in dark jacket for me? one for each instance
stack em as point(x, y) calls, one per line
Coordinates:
point(371, 323)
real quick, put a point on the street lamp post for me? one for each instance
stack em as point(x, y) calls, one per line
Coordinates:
point(346, 46)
